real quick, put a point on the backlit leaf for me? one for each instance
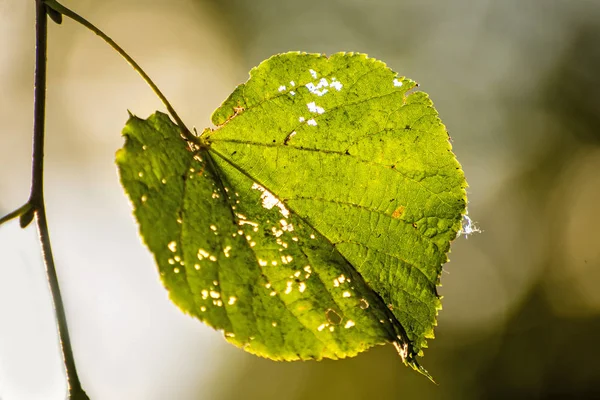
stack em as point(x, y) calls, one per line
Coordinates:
point(314, 221)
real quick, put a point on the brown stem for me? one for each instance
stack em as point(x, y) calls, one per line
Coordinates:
point(36, 199)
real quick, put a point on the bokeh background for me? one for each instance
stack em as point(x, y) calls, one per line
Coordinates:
point(516, 82)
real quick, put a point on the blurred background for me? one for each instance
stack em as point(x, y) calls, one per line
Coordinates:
point(516, 82)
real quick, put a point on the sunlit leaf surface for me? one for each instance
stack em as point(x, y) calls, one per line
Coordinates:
point(314, 221)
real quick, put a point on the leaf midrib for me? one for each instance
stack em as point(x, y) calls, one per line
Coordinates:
point(217, 173)
point(390, 314)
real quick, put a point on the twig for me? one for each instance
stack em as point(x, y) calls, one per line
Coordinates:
point(17, 213)
point(36, 199)
point(55, 5)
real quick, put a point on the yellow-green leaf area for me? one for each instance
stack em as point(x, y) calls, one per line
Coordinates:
point(314, 221)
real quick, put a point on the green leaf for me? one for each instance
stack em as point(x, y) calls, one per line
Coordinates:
point(313, 222)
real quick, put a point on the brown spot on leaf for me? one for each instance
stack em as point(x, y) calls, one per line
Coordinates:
point(398, 213)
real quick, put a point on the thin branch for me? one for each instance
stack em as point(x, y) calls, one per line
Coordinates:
point(55, 5)
point(75, 391)
point(36, 199)
point(15, 214)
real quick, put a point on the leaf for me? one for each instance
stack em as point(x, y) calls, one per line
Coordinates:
point(314, 220)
